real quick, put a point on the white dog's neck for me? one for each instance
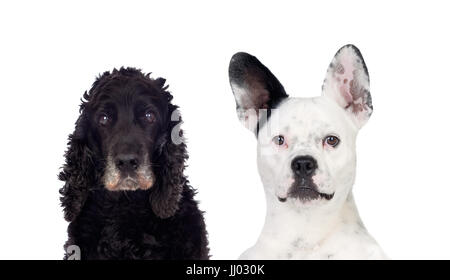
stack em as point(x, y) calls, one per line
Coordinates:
point(309, 227)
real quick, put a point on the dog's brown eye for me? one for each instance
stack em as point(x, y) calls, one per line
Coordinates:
point(279, 140)
point(149, 116)
point(332, 141)
point(103, 119)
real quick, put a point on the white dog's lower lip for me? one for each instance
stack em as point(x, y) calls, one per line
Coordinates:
point(327, 196)
point(321, 195)
point(318, 195)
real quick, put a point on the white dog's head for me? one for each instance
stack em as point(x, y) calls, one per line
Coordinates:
point(306, 146)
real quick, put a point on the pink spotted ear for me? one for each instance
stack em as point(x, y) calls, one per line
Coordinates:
point(347, 83)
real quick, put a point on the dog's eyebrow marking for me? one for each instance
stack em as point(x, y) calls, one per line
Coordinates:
point(108, 105)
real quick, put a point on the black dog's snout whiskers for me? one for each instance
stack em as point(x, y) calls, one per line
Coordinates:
point(304, 166)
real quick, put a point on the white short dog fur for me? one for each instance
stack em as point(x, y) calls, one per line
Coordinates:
point(306, 159)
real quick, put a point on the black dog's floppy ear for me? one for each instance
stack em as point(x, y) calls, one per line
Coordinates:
point(347, 83)
point(254, 87)
point(170, 164)
point(78, 171)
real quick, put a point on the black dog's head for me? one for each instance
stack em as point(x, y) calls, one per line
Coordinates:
point(123, 142)
point(127, 112)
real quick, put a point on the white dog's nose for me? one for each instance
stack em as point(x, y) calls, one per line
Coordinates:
point(304, 166)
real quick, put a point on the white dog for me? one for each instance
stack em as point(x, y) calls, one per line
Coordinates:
point(306, 159)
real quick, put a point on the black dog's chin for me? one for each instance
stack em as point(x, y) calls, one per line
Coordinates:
point(128, 183)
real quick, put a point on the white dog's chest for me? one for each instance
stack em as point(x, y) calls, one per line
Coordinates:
point(336, 248)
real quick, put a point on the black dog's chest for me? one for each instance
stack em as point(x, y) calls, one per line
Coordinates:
point(124, 226)
point(118, 227)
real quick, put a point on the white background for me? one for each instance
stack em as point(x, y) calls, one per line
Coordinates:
point(51, 52)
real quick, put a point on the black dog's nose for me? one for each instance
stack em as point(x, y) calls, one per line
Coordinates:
point(304, 165)
point(127, 162)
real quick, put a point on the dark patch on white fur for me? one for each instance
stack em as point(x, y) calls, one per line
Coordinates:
point(263, 89)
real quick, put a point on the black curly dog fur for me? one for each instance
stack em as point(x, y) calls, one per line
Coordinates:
point(158, 221)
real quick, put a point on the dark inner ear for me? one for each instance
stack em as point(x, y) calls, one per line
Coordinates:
point(261, 88)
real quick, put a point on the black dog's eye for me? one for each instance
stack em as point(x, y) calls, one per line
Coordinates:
point(278, 140)
point(331, 141)
point(149, 116)
point(103, 119)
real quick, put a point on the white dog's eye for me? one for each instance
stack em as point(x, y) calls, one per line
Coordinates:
point(331, 140)
point(278, 140)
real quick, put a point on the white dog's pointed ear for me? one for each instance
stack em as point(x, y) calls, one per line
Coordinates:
point(254, 87)
point(347, 82)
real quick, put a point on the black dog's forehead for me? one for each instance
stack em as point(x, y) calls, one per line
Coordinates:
point(129, 95)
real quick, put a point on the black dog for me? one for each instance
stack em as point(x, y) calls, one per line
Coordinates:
point(125, 194)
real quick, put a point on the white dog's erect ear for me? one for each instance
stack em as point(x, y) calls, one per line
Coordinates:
point(347, 82)
point(255, 89)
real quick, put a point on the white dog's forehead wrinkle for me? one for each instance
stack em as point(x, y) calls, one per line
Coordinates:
point(308, 117)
